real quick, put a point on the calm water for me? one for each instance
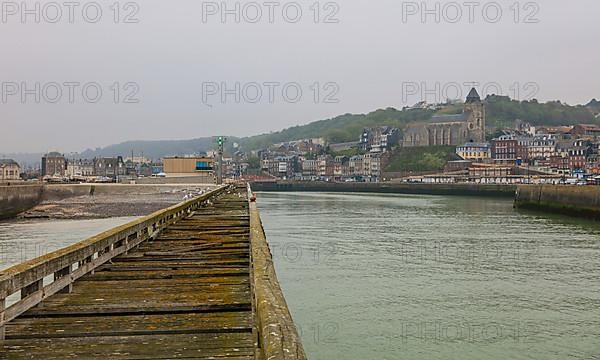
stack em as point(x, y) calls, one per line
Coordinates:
point(24, 240)
point(411, 277)
point(434, 277)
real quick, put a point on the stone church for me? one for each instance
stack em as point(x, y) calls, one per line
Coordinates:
point(450, 129)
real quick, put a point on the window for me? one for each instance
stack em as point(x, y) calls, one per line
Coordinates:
point(203, 166)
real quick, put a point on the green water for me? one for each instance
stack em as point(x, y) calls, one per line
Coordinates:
point(434, 277)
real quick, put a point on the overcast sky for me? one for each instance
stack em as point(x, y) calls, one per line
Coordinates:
point(363, 54)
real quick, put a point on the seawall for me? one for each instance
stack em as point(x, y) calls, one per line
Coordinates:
point(580, 201)
point(18, 198)
point(15, 199)
point(491, 190)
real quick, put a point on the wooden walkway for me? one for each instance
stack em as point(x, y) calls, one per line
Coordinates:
point(185, 294)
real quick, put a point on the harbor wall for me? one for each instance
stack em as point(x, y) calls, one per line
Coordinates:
point(491, 190)
point(18, 198)
point(15, 199)
point(579, 201)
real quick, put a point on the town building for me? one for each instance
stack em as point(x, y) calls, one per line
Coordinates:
point(372, 166)
point(450, 129)
point(9, 170)
point(310, 168)
point(110, 167)
point(577, 155)
point(54, 164)
point(80, 168)
point(189, 166)
point(477, 152)
point(382, 137)
point(504, 150)
point(340, 167)
point(585, 131)
point(325, 166)
point(355, 165)
point(542, 147)
point(489, 171)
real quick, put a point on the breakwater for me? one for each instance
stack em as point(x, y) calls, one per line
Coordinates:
point(18, 198)
point(580, 201)
point(491, 190)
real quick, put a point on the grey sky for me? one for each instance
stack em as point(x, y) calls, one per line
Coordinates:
point(368, 54)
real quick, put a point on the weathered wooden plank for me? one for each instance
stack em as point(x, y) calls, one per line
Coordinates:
point(169, 274)
point(146, 324)
point(186, 293)
point(133, 347)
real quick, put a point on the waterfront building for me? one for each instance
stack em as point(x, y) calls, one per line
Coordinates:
point(504, 150)
point(355, 165)
point(189, 166)
point(54, 164)
point(80, 167)
point(474, 151)
point(372, 166)
point(577, 155)
point(340, 167)
point(560, 164)
point(489, 171)
point(542, 147)
point(110, 167)
point(286, 166)
point(310, 168)
point(9, 170)
point(325, 166)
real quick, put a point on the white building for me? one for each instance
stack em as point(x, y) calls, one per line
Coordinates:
point(9, 170)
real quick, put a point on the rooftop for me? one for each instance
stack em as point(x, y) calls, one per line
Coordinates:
point(449, 118)
point(473, 96)
point(54, 154)
point(4, 162)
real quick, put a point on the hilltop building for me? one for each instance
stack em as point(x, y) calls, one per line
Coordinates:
point(450, 129)
point(383, 138)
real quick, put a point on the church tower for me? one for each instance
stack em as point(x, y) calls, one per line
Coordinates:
point(475, 111)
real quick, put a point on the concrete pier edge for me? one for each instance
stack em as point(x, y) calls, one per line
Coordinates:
point(574, 201)
point(277, 332)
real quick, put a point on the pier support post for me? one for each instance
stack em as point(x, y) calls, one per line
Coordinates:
point(2, 326)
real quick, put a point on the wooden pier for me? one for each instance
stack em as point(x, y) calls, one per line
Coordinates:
point(195, 281)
